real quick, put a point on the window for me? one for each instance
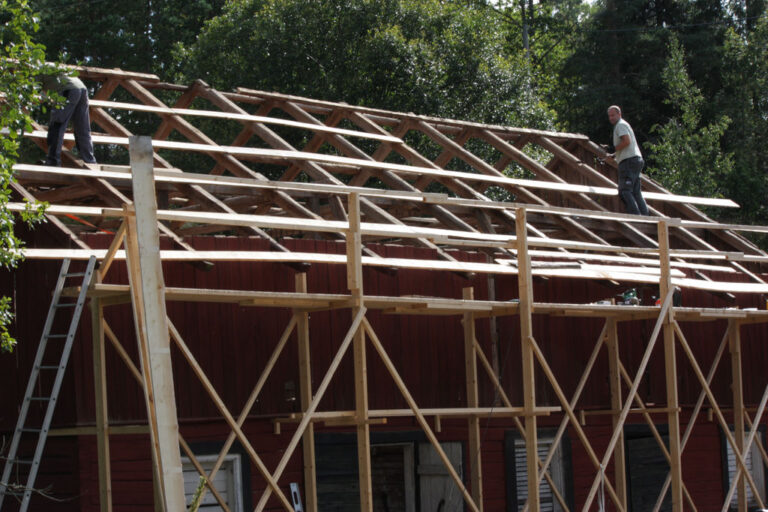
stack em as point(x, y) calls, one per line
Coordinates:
point(755, 466)
point(517, 473)
point(228, 482)
point(406, 473)
point(647, 468)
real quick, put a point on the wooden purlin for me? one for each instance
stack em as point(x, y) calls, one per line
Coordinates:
point(583, 200)
point(317, 171)
point(328, 107)
point(686, 211)
point(61, 228)
point(228, 161)
point(414, 157)
point(453, 149)
point(390, 118)
point(273, 140)
point(332, 107)
point(457, 186)
point(391, 179)
point(464, 190)
point(324, 176)
point(210, 114)
point(311, 168)
point(109, 194)
point(629, 274)
point(192, 191)
point(233, 186)
point(251, 128)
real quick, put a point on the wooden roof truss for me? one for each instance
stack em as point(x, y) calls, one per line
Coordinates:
point(283, 143)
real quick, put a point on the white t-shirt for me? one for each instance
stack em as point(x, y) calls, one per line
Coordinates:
point(622, 128)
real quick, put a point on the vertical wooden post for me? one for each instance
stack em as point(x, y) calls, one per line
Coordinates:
point(494, 327)
point(132, 262)
point(305, 393)
point(146, 279)
point(670, 364)
point(355, 285)
point(617, 404)
point(473, 422)
point(354, 248)
point(734, 346)
point(525, 286)
point(102, 416)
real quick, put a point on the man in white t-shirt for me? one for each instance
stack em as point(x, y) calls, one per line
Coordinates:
point(630, 162)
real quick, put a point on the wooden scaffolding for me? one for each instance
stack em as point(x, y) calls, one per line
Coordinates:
point(556, 220)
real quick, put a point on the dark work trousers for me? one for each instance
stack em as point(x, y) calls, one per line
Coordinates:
point(76, 110)
point(629, 185)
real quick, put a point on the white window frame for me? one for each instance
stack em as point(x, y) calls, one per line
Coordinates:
point(547, 500)
point(754, 463)
point(231, 467)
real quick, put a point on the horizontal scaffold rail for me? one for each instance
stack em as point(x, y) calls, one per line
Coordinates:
point(421, 305)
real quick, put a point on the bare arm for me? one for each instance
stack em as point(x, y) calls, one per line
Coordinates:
point(623, 142)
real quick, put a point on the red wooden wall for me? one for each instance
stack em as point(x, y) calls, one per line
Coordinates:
point(233, 343)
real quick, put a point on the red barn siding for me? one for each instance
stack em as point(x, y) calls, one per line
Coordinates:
point(233, 343)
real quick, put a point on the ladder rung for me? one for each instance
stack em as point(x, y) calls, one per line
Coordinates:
point(51, 336)
point(48, 367)
point(75, 274)
point(40, 398)
point(26, 462)
point(65, 305)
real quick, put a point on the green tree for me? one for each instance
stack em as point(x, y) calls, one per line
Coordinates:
point(744, 98)
point(545, 32)
point(425, 56)
point(621, 56)
point(21, 59)
point(687, 156)
point(135, 35)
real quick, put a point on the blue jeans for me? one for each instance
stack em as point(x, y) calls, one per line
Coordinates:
point(629, 185)
point(76, 110)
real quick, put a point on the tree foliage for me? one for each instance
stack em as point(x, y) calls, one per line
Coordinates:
point(545, 33)
point(620, 60)
point(744, 98)
point(687, 157)
point(425, 56)
point(21, 59)
point(135, 35)
point(469, 60)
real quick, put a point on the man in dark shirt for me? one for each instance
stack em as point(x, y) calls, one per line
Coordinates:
point(76, 110)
